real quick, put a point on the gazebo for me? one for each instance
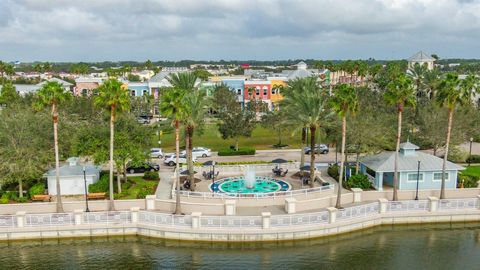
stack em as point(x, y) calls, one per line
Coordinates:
point(380, 169)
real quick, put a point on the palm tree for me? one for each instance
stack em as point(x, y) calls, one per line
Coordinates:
point(193, 116)
point(305, 102)
point(113, 97)
point(171, 106)
point(344, 102)
point(431, 81)
point(400, 93)
point(453, 91)
point(191, 102)
point(417, 74)
point(51, 94)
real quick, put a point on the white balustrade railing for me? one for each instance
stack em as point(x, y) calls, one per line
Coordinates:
point(49, 219)
point(114, 217)
point(415, 205)
point(8, 221)
point(358, 211)
point(221, 195)
point(164, 219)
point(455, 204)
point(299, 219)
point(231, 221)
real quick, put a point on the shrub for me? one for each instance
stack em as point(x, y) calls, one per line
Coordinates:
point(358, 181)
point(457, 155)
point(21, 200)
point(474, 159)
point(10, 195)
point(4, 199)
point(37, 189)
point(150, 176)
point(241, 151)
point(101, 185)
point(333, 171)
point(469, 181)
point(143, 193)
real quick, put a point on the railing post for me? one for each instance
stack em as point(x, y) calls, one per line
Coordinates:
point(20, 219)
point(382, 205)
point(150, 202)
point(478, 201)
point(357, 195)
point(134, 211)
point(332, 214)
point(432, 204)
point(230, 207)
point(266, 220)
point(78, 216)
point(290, 204)
point(196, 219)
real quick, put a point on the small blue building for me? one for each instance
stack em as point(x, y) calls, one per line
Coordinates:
point(138, 89)
point(380, 169)
point(237, 86)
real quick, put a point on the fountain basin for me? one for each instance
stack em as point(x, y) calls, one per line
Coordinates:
point(237, 185)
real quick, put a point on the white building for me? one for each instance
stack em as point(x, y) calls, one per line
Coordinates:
point(421, 58)
point(72, 179)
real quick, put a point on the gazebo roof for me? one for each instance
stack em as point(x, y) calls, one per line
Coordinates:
point(421, 57)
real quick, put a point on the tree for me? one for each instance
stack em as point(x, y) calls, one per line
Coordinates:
point(277, 121)
point(417, 74)
point(202, 74)
point(431, 81)
point(114, 98)
point(400, 93)
point(452, 91)
point(6, 69)
point(192, 111)
point(148, 64)
point(344, 102)
point(305, 102)
point(235, 122)
point(8, 93)
point(79, 69)
point(52, 94)
point(171, 106)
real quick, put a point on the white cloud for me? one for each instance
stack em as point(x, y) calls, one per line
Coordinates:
point(236, 29)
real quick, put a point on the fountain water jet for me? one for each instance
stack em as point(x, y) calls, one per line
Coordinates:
point(250, 179)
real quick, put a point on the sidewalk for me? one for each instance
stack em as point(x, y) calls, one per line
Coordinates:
point(165, 185)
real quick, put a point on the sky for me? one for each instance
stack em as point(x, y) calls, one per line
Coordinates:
point(101, 30)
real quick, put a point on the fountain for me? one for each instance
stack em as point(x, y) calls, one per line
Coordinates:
point(250, 179)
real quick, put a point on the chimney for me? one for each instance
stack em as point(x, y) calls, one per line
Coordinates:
point(72, 161)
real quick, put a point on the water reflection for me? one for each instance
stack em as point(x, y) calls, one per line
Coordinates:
point(399, 247)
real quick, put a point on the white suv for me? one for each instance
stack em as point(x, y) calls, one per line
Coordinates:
point(156, 153)
point(199, 152)
point(171, 159)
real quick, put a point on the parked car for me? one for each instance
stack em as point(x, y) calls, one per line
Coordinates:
point(145, 167)
point(144, 121)
point(322, 149)
point(156, 153)
point(199, 152)
point(171, 159)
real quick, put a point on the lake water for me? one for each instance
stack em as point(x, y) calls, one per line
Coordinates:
point(401, 247)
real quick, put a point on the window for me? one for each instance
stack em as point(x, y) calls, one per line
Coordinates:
point(132, 93)
point(84, 92)
point(438, 176)
point(273, 91)
point(412, 177)
point(239, 92)
point(257, 91)
point(265, 90)
point(145, 92)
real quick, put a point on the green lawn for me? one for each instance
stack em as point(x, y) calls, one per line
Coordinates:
point(261, 139)
point(472, 170)
point(137, 188)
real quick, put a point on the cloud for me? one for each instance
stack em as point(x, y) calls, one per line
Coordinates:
point(236, 29)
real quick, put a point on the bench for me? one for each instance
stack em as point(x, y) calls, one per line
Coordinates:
point(96, 196)
point(41, 198)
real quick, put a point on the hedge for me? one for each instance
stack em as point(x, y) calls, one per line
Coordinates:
point(473, 159)
point(37, 189)
point(150, 176)
point(100, 186)
point(241, 151)
point(334, 171)
point(469, 181)
point(358, 181)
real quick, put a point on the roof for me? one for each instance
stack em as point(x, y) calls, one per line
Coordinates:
point(60, 81)
point(159, 77)
point(385, 162)
point(421, 57)
point(68, 170)
point(408, 145)
point(300, 73)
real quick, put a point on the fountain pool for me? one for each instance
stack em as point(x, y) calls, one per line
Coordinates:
point(262, 184)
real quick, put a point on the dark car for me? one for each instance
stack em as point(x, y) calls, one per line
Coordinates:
point(145, 167)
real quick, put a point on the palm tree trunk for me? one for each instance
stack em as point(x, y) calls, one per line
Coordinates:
point(447, 144)
point(189, 157)
point(338, 205)
point(178, 209)
point(57, 158)
point(312, 155)
point(20, 188)
point(397, 149)
point(302, 150)
point(119, 182)
point(112, 120)
point(357, 160)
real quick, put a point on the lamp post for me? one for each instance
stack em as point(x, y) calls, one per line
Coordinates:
point(86, 195)
point(418, 180)
point(213, 173)
point(470, 155)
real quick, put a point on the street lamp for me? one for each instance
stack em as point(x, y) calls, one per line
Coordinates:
point(213, 173)
point(86, 195)
point(470, 155)
point(418, 180)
